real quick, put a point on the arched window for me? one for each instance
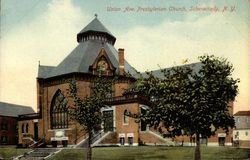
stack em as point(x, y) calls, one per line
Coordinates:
point(125, 117)
point(143, 123)
point(59, 111)
point(27, 128)
point(22, 128)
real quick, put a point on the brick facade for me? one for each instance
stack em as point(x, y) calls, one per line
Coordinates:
point(8, 130)
point(129, 129)
point(9, 125)
point(46, 92)
point(26, 132)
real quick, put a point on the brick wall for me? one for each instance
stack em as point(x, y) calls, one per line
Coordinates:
point(25, 128)
point(147, 138)
point(73, 132)
point(46, 94)
point(119, 88)
point(8, 130)
point(130, 128)
point(112, 138)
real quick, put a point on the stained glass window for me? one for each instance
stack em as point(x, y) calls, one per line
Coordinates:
point(59, 111)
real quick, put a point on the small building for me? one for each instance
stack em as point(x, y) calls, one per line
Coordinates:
point(9, 122)
point(241, 133)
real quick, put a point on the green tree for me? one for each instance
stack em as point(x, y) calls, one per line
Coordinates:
point(87, 111)
point(189, 100)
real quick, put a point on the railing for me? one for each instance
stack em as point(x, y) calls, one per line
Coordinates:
point(39, 143)
point(78, 137)
point(96, 136)
point(27, 140)
point(29, 116)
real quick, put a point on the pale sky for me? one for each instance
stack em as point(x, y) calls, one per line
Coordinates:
point(45, 31)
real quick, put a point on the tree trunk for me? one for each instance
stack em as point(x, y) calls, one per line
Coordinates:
point(197, 155)
point(89, 149)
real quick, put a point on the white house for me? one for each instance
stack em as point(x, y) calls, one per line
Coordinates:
point(241, 133)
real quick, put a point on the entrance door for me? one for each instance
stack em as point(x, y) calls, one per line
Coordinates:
point(108, 121)
point(36, 131)
point(221, 141)
point(122, 140)
point(130, 140)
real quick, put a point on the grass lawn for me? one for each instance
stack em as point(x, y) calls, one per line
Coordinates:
point(154, 153)
point(8, 153)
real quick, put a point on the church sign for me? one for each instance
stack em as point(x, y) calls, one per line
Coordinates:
point(59, 136)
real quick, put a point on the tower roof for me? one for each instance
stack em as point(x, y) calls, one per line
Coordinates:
point(92, 39)
point(84, 55)
point(95, 28)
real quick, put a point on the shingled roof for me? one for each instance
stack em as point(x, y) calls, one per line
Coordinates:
point(242, 113)
point(79, 60)
point(94, 37)
point(96, 26)
point(13, 110)
point(43, 71)
point(158, 73)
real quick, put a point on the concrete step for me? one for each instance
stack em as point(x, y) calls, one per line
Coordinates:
point(95, 137)
point(31, 158)
point(39, 153)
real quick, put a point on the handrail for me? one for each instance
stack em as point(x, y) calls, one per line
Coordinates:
point(79, 136)
point(37, 143)
point(95, 137)
point(97, 134)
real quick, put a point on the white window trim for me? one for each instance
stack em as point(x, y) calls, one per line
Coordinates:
point(110, 108)
point(145, 108)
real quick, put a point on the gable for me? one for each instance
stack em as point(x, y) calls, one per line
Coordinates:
point(102, 65)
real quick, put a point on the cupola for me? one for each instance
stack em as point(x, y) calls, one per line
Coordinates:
point(95, 30)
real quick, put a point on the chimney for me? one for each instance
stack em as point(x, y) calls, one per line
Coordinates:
point(121, 61)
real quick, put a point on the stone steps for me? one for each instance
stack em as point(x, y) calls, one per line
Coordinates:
point(32, 158)
point(96, 137)
point(39, 153)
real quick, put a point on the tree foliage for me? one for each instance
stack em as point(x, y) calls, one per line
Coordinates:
point(190, 99)
point(87, 111)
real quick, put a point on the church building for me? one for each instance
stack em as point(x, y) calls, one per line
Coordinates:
point(94, 56)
